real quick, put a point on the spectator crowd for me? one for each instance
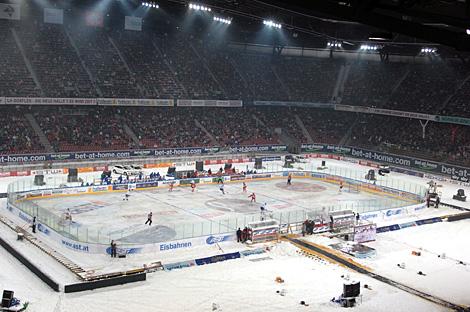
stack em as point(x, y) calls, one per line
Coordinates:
point(46, 60)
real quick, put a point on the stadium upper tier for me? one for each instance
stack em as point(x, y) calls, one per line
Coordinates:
point(48, 60)
point(58, 61)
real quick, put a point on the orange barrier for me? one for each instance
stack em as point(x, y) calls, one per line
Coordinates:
point(85, 169)
point(160, 165)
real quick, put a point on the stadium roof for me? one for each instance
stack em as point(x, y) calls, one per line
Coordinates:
point(445, 22)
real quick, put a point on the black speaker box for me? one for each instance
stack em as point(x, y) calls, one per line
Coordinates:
point(171, 170)
point(323, 163)
point(199, 165)
point(73, 175)
point(7, 297)
point(39, 179)
point(227, 166)
point(351, 290)
point(258, 163)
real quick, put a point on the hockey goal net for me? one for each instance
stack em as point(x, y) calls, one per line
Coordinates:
point(352, 187)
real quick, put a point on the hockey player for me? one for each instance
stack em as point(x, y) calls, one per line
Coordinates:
point(263, 211)
point(244, 187)
point(149, 218)
point(289, 179)
point(221, 188)
point(340, 187)
point(127, 195)
point(170, 189)
point(253, 197)
point(68, 215)
point(193, 186)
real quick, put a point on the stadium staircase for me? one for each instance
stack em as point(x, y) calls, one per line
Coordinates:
point(305, 132)
point(204, 63)
point(126, 66)
point(42, 137)
point(77, 51)
point(213, 140)
point(181, 90)
point(449, 98)
point(278, 77)
point(27, 62)
point(243, 78)
point(335, 98)
point(397, 85)
point(67, 263)
point(347, 136)
point(128, 130)
point(340, 83)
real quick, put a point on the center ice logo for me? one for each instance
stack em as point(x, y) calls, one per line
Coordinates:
point(217, 239)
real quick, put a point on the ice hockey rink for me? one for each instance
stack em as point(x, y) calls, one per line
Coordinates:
point(248, 283)
point(207, 209)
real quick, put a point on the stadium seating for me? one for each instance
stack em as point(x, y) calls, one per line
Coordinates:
point(57, 61)
point(16, 135)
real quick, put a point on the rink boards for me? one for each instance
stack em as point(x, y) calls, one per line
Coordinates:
point(94, 248)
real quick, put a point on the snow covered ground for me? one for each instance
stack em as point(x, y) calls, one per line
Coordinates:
point(235, 285)
point(444, 259)
point(442, 246)
point(243, 284)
